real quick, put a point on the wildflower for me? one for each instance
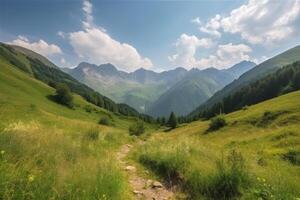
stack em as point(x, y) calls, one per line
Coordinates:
point(2, 152)
point(31, 178)
point(263, 180)
point(258, 178)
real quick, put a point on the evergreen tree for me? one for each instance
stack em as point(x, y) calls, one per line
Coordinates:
point(172, 122)
point(163, 121)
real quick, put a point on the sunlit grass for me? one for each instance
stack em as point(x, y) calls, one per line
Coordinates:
point(48, 151)
point(269, 151)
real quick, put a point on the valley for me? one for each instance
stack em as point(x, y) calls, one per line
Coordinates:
point(158, 94)
point(149, 100)
point(89, 153)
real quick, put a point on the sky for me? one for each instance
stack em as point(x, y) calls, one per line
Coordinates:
point(155, 35)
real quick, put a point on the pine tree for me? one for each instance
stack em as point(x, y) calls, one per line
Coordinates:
point(172, 122)
point(163, 121)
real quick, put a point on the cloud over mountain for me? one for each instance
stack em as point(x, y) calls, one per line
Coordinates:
point(95, 45)
point(40, 46)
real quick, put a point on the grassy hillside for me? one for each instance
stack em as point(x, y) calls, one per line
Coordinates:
point(42, 69)
point(269, 66)
point(255, 156)
point(48, 151)
point(284, 80)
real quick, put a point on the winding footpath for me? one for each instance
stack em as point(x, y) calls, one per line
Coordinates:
point(142, 188)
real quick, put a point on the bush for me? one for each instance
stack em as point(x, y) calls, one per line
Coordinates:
point(292, 156)
point(92, 134)
point(268, 117)
point(88, 108)
point(105, 121)
point(63, 95)
point(137, 129)
point(229, 179)
point(217, 122)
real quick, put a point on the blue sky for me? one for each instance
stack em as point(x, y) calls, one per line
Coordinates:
point(157, 35)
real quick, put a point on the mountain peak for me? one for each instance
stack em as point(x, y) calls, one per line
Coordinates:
point(108, 67)
point(84, 65)
point(240, 68)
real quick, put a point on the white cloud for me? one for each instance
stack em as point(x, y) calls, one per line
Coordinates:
point(226, 55)
point(40, 46)
point(87, 8)
point(61, 34)
point(186, 47)
point(95, 45)
point(212, 26)
point(196, 21)
point(98, 47)
point(259, 21)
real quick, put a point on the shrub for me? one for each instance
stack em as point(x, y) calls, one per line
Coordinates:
point(92, 134)
point(268, 117)
point(229, 179)
point(63, 95)
point(137, 129)
point(105, 121)
point(292, 156)
point(52, 84)
point(88, 108)
point(217, 122)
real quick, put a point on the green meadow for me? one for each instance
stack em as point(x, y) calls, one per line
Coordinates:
point(49, 151)
point(256, 155)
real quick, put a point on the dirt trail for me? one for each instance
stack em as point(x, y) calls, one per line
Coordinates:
point(142, 188)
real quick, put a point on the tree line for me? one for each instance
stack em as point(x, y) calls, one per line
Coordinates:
point(284, 80)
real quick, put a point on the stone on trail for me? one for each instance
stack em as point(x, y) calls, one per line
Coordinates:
point(137, 192)
point(149, 183)
point(130, 168)
point(157, 184)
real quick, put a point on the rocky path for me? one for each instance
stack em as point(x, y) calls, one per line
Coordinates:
point(142, 188)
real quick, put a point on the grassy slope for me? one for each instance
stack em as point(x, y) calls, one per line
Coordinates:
point(192, 155)
point(256, 73)
point(45, 149)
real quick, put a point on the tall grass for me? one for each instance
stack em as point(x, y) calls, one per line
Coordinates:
point(36, 163)
point(226, 181)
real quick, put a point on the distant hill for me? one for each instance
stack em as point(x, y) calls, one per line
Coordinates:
point(148, 91)
point(195, 88)
point(42, 69)
point(284, 80)
point(137, 89)
point(258, 72)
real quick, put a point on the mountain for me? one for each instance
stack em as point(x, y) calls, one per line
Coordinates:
point(137, 89)
point(284, 80)
point(265, 68)
point(42, 69)
point(195, 88)
point(144, 89)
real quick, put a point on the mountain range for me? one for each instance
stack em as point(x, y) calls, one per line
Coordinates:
point(158, 94)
